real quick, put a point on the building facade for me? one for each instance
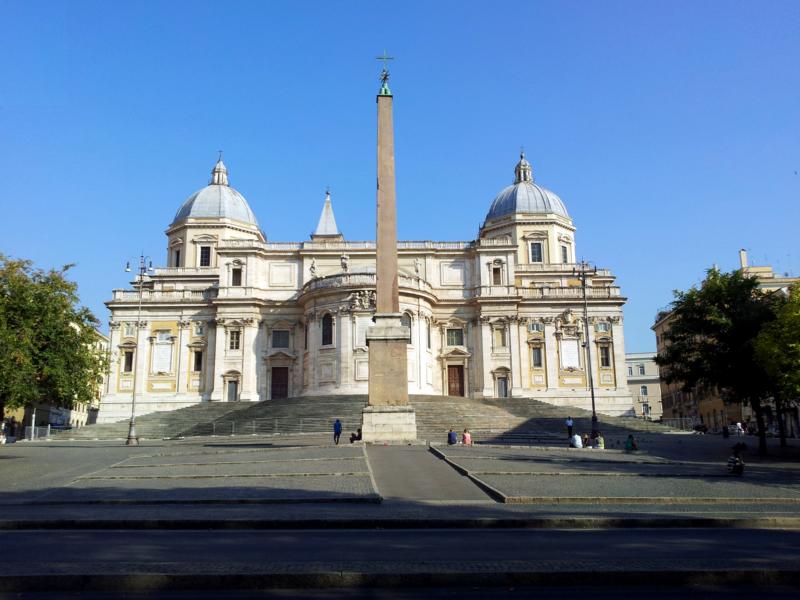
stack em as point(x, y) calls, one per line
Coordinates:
point(235, 317)
point(644, 384)
point(705, 407)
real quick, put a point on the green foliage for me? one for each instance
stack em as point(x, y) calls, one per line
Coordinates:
point(48, 343)
point(778, 348)
point(712, 333)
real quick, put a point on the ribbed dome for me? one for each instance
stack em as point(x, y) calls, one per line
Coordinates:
point(217, 201)
point(524, 196)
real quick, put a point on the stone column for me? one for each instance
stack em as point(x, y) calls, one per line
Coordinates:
point(250, 343)
point(485, 353)
point(514, 351)
point(388, 415)
point(184, 357)
point(218, 385)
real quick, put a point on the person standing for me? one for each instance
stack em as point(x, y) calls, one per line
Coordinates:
point(570, 423)
point(337, 431)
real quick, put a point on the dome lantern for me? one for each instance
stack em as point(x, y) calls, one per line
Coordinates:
point(219, 174)
point(523, 171)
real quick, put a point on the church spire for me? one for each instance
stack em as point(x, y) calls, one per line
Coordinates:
point(523, 171)
point(219, 175)
point(326, 227)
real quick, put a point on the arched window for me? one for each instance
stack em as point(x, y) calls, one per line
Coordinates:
point(327, 330)
point(405, 321)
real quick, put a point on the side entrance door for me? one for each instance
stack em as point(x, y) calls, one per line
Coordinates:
point(280, 383)
point(233, 390)
point(502, 387)
point(455, 380)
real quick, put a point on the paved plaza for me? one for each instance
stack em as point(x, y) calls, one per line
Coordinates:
point(204, 507)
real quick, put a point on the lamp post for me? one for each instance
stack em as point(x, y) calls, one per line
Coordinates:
point(581, 270)
point(144, 268)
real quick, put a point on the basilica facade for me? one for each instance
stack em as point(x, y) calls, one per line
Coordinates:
point(234, 317)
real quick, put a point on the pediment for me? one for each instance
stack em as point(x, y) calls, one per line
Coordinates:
point(279, 353)
point(456, 351)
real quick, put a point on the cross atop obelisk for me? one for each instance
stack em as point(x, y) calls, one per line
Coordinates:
point(388, 415)
point(385, 91)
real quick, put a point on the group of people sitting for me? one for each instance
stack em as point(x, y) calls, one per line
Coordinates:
point(466, 438)
point(596, 440)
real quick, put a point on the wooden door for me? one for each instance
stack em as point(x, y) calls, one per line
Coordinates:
point(502, 387)
point(233, 390)
point(455, 380)
point(280, 383)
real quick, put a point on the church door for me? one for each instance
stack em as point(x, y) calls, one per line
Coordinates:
point(502, 387)
point(280, 383)
point(233, 390)
point(455, 380)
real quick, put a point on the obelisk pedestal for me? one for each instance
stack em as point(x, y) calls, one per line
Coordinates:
point(388, 416)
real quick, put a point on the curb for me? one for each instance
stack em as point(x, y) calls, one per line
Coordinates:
point(152, 581)
point(566, 522)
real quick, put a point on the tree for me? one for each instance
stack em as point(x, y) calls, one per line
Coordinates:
point(711, 341)
point(48, 343)
point(778, 353)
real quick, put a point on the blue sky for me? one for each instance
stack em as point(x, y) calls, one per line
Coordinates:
point(671, 130)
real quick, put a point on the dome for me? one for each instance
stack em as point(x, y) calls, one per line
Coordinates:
point(217, 201)
point(524, 196)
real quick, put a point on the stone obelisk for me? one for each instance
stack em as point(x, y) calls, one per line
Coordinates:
point(387, 416)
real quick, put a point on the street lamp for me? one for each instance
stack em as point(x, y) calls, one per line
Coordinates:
point(581, 271)
point(145, 267)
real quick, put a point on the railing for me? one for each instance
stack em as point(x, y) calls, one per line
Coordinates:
point(554, 268)
point(164, 295)
point(685, 424)
point(345, 280)
point(569, 292)
point(186, 271)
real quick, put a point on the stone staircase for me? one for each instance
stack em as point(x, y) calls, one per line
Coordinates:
point(522, 421)
point(156, 425)
point(288, 416)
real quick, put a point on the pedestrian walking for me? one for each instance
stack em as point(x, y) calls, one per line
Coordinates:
point(570, 423)
point(337, 431)
point(735, 462)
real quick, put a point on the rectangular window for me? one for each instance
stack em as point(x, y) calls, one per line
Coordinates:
point(280, 338)
point(130, 329)
point(601, 327)
point(641, 369)
point(199, 329)
point(535, 327)
point(643, 390)
point(234, 339)
point(630, 371)
point(177, 258)
point(605, 356)
point(500, 338)
point(198, 361)
point(127, 367)
point(497, 276)
point(205, 256)
point(536, 357)
point(536, 252)
point(236, 277)
point(428, 332)
point(305, 336)
point(455, 337)
point(564, 254)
